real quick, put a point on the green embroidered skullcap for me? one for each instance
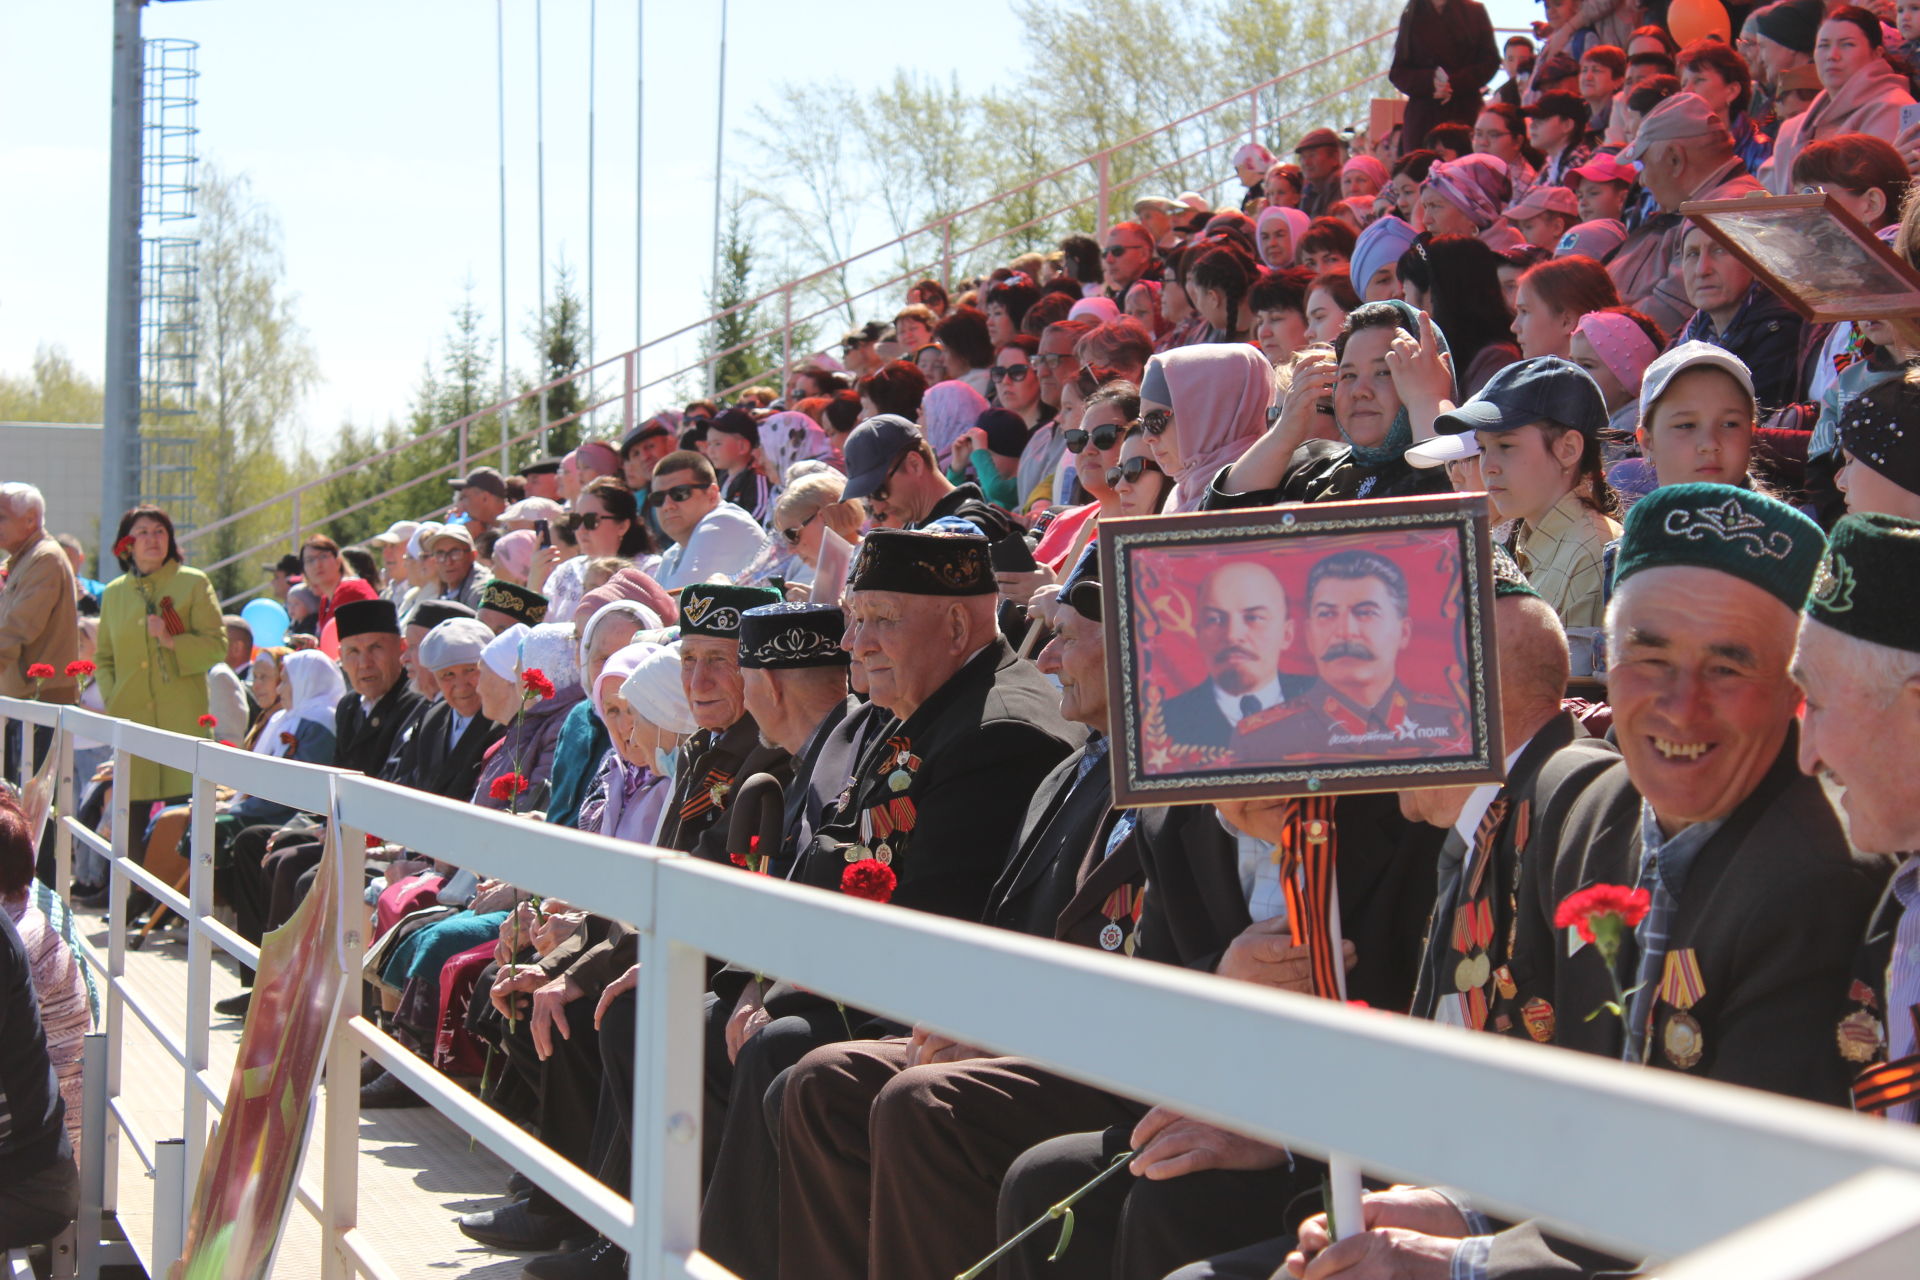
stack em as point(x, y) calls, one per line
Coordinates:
point(1872, 561)
point(1716, 526)
point(714, 608)
point(1508, 580)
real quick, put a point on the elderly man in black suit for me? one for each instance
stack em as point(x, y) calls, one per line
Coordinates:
point(1243, 626)
point(1739, 970)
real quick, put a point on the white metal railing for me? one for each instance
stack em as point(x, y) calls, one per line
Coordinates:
point(1641, 1162)
point(934, 252)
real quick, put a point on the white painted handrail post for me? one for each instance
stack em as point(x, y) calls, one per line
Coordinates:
point(295, 538)
point(123, 842)
point(1106, 190)
point(667, 1089)
point(463, 449)
point(169, 1203)
point(63, 804)
point(199, 956)
point(946, 255)
point(628, 391)
point(97, 1148)
point(340, 1186)
point(786, 339)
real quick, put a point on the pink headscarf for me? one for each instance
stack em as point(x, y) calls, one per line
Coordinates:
point(628, 584)
point(1622, 346)
point(514, 552)
point(789, 437)
point(1371, 166)
point(948, 411)
point(1297, 224)
point(1220, 393)
point(598, 457)
point(1101, 309)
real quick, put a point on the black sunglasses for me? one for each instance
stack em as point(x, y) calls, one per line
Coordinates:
point(661, 497)
point(1155, 421)
point(590, 520)
point(880, 491)
point(1012, 372)
point(1132, 469)
point(1103, 437)
point(793, 535)
point(1122, 250)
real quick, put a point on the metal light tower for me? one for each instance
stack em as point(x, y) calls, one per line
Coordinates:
point(120, 425)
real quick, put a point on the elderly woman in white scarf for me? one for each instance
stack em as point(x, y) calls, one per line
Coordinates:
point(301, 730)
point(629, 793)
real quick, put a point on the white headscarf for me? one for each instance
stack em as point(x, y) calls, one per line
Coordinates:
point(313, 692)
point(655, 693)
point(791, 437)
point(647, 619)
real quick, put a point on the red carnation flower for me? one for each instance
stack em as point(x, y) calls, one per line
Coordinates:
point(535, 682)
point(208, 721)
point(80, 668)
point(226, 742)
point(869, 878)
point(374, 841)
point(507, 786)
point(123, 548)
point(1606, 906)
point(737, 859)
point(40, 671)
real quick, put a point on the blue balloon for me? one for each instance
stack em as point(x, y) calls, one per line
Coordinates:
point(269, 621)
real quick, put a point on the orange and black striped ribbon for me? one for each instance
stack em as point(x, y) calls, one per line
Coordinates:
point(701, 798)
point(1484, 836)
point(1887, 1085)
point(1306, 873)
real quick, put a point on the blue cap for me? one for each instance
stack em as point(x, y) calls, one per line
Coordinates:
point(1544, 389)
point(871, 450)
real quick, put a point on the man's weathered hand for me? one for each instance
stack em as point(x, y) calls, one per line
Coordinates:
point(1417, 1209)
point(618, 987)
point(1167, 1145)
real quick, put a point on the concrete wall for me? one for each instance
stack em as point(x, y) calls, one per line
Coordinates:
point(62, 460)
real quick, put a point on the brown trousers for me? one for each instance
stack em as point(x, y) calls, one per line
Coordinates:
point(892, 1171)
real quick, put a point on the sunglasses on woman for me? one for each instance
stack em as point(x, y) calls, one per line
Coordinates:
point(793, 535)
point(590, 520)
point(1155, 422)
point(1131, 470)
point(1012, 372)
point(678, 493)
point(1102, 436)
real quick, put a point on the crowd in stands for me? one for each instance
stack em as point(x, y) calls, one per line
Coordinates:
point(876, 587)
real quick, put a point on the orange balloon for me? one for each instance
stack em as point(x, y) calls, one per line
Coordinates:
point(1691, 20)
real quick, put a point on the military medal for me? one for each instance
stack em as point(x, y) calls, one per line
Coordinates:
point(883, 855)
point(1538, 1016)
point(1681, 986)
point(1503, 978)
point(1862, 1037)
point(1123, 903)
point(858, 852)
point(899, 780)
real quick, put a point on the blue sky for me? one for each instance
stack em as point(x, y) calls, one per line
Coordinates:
point(370, 130)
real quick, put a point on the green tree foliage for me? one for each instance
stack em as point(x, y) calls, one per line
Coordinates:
point(744, 357)
point(253, 367)
point(560, 336)
point(55, 391)
point(1098, 73)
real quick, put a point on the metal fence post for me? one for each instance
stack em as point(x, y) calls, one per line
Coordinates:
point(946, 255)
point(199, 958)
point(169, 1202)
point(295, 539)
point(463, 448)
point(340, 1186)
point(786, 338)
point(117, 959)
point(97, 1149)
point(1106, 189)
point(626, 396)
point(63, 805)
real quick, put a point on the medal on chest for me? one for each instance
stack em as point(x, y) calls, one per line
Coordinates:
point(1681, 987)
point(1122, 910)
point(1861, 1035)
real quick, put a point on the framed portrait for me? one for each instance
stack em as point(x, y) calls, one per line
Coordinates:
point(1808, 249)
point(1301, 650)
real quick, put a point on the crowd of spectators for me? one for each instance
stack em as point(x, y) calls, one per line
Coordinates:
point(874, 590)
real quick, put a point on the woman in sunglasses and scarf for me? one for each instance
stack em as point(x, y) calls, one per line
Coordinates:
point(1389, 369)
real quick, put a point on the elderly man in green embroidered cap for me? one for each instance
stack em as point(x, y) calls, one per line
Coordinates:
point(1859, 665)
point(1739, 969)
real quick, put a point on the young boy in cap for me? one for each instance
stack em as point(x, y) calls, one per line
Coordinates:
point(1538, 423)
point(1556, 126)
point(1544, 215)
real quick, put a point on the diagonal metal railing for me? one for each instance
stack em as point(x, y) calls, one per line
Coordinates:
point(936, 248)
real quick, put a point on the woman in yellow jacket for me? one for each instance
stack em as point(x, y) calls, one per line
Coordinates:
point(160, 633)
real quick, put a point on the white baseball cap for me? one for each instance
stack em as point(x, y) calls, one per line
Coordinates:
point(1443, 449)
point(1689, 355)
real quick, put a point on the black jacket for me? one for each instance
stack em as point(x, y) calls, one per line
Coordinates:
point(1326, 471)
point(363, 742)
point(425, 760)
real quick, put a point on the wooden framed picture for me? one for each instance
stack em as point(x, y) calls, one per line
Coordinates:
point(1818, 257)
point(1301, 650)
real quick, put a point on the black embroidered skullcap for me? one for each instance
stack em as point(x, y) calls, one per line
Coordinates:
point(782, 637)
point(921, 563)
point(517, 602)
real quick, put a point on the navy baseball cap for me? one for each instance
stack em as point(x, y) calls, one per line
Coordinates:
point(1544, 389)
point(871, 450)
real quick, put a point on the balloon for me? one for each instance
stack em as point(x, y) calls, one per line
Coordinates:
point(1690, 20)
point(269, 621)
point(330, 639)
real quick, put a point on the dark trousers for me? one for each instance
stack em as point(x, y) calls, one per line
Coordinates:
point(35, 1207)
point(738, 1226)
point(565, 1089)
point(1255, 1262)
point(892, 1170)
point(1132, 1228)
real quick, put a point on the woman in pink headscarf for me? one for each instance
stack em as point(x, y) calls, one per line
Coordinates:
point(1201, 407)
point(1277, 233)
point(628, 584)
point(948, 411)
point(513, 555)
point(789, 437)
point(1362, 176)
point(626, 796)
point(1465, 197)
